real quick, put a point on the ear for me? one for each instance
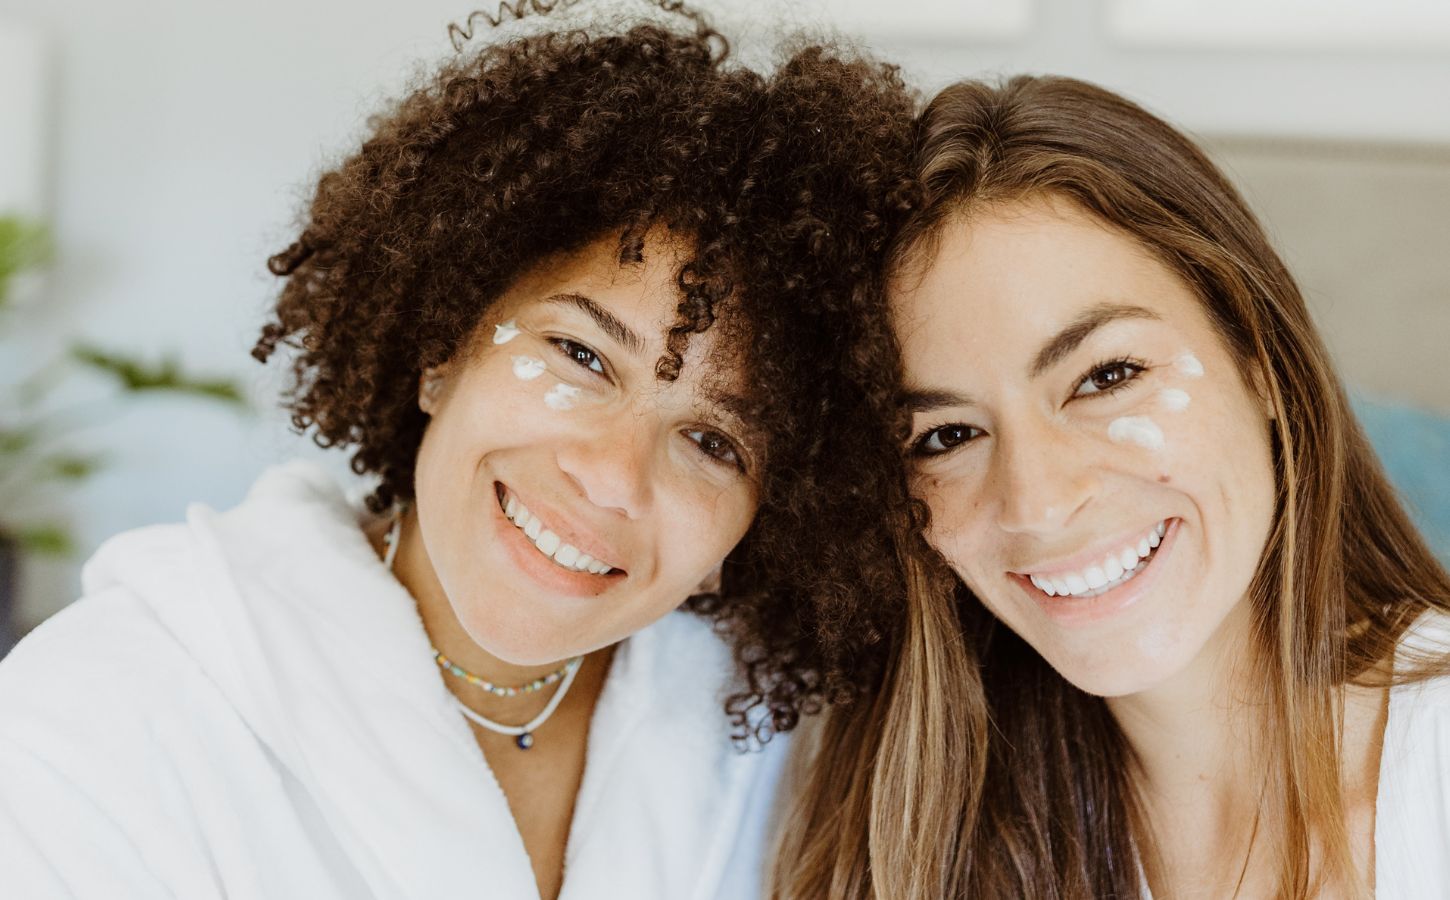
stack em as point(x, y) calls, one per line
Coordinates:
point(430, 385)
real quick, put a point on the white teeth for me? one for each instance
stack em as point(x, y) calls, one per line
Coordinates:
point(1115, 569)
point(549, 543)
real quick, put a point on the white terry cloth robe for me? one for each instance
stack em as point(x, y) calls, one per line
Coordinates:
point(246, 706)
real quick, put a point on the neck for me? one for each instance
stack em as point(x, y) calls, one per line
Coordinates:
point(1206, 773)
point(414, 570)
point(1199, 730)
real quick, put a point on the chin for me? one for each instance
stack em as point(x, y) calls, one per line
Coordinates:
point(519, 640)
point(1121, 667)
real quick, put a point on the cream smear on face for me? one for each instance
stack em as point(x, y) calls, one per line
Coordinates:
point(561, 397)
point(1139, 430)
point(1189, 365)
point(1173, 400)
point(505, 332)
point(527, 368)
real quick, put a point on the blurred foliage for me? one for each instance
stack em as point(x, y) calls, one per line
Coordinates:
point(36, 439)
point(23, 245)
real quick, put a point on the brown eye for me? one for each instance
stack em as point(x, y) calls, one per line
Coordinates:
point(580, 355)
point(1106, 378)
point(716, 446)
point(942, 439)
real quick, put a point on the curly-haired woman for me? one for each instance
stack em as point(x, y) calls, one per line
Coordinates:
point(1206, 653)
point(598, 311)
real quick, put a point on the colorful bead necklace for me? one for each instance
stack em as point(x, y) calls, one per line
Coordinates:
point(498, 690)
point(523, 735)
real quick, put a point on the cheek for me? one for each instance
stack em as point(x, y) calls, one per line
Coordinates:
point(956, 518)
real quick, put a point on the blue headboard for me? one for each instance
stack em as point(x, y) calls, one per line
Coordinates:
point(1415, 448)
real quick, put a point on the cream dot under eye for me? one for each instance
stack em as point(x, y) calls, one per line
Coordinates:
point(505, 332)
point(527, 368)
point(1139, 430)
point(1189, 365)
point(561, 396)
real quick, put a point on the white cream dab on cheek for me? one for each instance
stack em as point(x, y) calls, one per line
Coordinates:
point(1189, 365)
point(561, 396)
point(1173, 400)
point(504, 332)
point(1138, 430)
point(527, 368)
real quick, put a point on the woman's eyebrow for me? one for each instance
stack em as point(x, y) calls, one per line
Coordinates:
point(602, 317)
point(1077, 331)
point(925, 400)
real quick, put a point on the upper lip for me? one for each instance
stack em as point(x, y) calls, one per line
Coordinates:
point(1081, 559)
point(583, 539)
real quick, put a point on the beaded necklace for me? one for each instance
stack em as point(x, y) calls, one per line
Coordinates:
point(523, 735)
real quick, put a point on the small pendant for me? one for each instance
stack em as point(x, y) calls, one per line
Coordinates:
point(525, 741)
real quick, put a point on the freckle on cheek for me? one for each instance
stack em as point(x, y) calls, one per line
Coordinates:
point(1164, 479)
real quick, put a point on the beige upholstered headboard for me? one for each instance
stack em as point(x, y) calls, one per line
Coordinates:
point(1365, 228)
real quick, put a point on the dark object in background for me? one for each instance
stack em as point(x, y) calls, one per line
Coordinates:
point(9, 565)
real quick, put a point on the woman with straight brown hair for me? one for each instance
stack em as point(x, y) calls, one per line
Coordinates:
point(1199, 651)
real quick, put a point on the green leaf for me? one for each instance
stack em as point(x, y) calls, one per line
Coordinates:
point(14, 441)
point(73, 468)
point(138, 377)
point(23, 245)
point(50, 540)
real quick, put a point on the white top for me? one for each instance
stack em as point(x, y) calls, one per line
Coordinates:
point(246, 706)
point(1412, 813)
point(1412, 808)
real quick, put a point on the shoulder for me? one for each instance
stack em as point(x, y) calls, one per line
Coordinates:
point(1412, 820)
point(1426, 645)
point(111, 637)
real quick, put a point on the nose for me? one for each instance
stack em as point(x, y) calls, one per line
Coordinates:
point(612, 465)
point(1041, 478)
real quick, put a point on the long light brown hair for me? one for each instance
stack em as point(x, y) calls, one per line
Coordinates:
point(979, 771)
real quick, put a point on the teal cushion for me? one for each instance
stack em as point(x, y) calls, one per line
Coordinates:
point(1414, 446)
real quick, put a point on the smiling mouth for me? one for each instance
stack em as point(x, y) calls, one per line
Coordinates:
point(549, 544)
point(1114, 569)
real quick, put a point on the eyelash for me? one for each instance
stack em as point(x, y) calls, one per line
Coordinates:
point(698, 436)
point(571, 350)
point(1134, 367)
point(919, 448)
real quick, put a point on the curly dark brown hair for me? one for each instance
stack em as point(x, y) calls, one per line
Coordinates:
point(787, 186)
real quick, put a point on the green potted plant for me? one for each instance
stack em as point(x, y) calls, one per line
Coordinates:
point(36, 453)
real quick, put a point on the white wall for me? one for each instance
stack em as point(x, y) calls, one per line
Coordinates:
point(185, 134)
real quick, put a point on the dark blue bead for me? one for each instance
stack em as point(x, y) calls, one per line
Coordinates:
point(525, 741)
